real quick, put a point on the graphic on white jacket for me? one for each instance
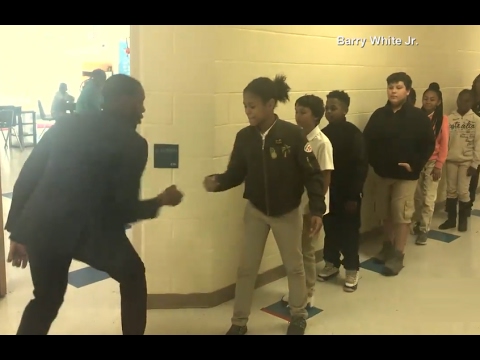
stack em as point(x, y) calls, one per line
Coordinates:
point(464, 142)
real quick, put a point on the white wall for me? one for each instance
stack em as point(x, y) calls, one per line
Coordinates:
point(194, 77)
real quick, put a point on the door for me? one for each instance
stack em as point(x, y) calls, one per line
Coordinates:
point(3, 270)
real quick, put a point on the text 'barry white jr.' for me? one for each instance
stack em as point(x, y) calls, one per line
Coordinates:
point(376, 41)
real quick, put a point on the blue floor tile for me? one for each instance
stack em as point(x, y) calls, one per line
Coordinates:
point(86, 276)
point(371, 265)
point(475, 212)
point(8, 195)
point(442, 236)
point(281, 310)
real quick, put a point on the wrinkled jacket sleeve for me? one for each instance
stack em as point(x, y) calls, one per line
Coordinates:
point(312, 175)
point(127, 185)
point(236, 169)
point(29, 176)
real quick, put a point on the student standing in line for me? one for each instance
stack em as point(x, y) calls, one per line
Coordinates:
point(72, 199)
point(276, 162)
point(309, 110)
point(342, 223)
point(427, 187)
point(399, 140)
point(476, 109)
point(412, 97)
point(463, 160)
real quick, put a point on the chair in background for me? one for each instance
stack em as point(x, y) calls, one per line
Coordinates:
point(44, 117)
point(7, 122)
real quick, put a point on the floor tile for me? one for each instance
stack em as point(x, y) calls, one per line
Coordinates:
point(280, 310)
point(442, 236)
point(86, 276)
point(371, 265)
point(476, 212)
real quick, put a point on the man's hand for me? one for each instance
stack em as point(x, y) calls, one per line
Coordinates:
point(406, 166)
point(436, 174)
point(210, 183)
point(351, 207)
point(471, 171)
point(316, 224)
point(17, 255)
point(171, 196)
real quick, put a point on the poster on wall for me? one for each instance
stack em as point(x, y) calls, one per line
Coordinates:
point(124, 58)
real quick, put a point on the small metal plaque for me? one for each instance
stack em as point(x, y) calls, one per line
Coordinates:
point(165, 156)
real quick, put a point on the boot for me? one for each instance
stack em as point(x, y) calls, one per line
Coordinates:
point(394, 265)
point(451, 222)
point(463, 210)
point(386, 253)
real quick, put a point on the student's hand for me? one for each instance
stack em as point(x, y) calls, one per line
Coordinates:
point(171, 196)
point(406, 166)
point(351, 207)
point(210, 183)
point(471, 171)
point(436, 174)
point(316, 224)
point(17, 255)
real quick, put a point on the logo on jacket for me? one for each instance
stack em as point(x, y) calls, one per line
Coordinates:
point(273, 153)
point(308, 148)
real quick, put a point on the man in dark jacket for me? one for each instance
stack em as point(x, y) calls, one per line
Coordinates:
point(400, 140)
point(72, 199)
point(276, 162)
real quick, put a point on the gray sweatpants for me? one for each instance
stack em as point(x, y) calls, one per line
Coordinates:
point(287, 230)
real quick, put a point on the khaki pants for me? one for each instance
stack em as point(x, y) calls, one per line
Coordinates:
point(309, 259)
point(425, 197)
point(287, 230)
point(458, 183)
point(395, 199)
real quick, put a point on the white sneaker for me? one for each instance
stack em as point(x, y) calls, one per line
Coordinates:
point(327, 272)
point(309, 300)
point(351, 280)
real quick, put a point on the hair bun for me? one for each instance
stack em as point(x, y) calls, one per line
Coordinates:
point(434, 86)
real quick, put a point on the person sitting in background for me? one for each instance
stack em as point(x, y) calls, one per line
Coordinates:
point(427, 186)
point(90, 98)
point(412, 97)
point(62, 97)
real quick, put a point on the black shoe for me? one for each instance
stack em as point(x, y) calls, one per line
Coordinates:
point(297, 326)
point(237, 330)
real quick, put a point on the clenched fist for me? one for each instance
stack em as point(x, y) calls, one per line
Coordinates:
point(210, 183)
point(171, 196)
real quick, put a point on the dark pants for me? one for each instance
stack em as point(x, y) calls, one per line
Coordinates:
point(49, 270)
point(342, 237)
point(473, 186)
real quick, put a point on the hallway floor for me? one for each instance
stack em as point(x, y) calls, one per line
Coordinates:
point(434, 294)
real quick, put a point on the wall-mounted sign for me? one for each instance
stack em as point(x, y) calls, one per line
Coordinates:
point(165, 156)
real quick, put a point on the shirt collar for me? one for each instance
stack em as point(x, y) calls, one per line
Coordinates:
point(313, 133)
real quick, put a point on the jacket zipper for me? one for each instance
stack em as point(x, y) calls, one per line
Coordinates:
point(265, 175)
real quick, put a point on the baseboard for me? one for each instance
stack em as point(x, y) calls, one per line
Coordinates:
point(208, 300)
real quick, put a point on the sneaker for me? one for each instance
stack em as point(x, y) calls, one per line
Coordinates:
point(309, 300)
point(351, 280)
point(297, 326)
point(421, 239)
point(328, 272)
point(237, 330)
point(415, 229)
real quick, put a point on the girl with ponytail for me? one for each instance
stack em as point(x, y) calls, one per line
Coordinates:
point(427, 187)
